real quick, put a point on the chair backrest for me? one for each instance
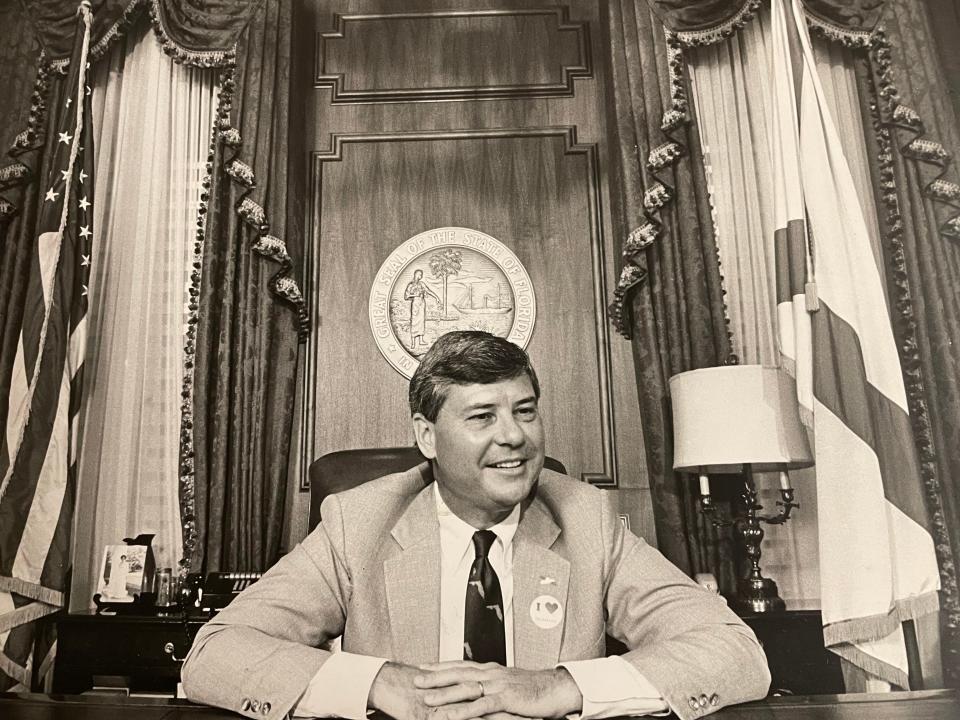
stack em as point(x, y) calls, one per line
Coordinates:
point(345, 469)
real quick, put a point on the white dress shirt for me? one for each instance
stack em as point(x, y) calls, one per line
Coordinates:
point(610, 686)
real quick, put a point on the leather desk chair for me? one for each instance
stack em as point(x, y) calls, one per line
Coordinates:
point(345, 469)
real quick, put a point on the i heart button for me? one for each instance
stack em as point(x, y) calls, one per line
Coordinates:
point(546, 612)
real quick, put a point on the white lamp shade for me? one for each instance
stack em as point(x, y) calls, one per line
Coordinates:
point(726, 416)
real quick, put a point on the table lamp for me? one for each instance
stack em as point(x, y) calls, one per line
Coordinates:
point(741, 418)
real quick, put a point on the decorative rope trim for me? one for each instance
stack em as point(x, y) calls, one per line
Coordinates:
point(664, 155)
point(659, 194)
point(701, 38)
point(920, 149)
point(21, 141)
point(252, 213)
point(231, 137)
point(60, 66)
point(281, 285)
point(640, 239)
point(929, 151)
point(131, 13)
point(910, 360)
point(849, 38)
point(18, 173)
point(241, 173)
point(187, 480)
point(656, 197)
point(951, 228)
point(13, 172)
point(183, 56)
point(272, 247)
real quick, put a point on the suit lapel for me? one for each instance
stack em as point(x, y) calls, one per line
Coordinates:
point(540, 577)
point(412, 580)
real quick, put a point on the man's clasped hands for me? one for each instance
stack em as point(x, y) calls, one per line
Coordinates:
point(463, 690)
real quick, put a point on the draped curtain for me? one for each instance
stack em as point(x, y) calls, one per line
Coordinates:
point(152, 121)
point(245, 311)
point(676, 317)
point(247, 348)
point(910, 148)
point(902, 84)
point(241, 373)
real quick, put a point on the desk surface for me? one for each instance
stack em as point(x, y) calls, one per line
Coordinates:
point(925, 705)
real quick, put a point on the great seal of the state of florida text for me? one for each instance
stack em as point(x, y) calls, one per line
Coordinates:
point(449, 278)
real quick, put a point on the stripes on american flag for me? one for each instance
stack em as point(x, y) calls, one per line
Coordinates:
point(38, 450)
point(877, 561)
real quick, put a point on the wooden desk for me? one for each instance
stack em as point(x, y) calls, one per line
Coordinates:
point(92, 649)
point(924, 705)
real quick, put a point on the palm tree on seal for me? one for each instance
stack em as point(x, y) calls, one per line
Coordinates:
point(443, 264)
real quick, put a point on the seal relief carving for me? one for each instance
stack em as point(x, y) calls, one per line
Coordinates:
point(445, 279)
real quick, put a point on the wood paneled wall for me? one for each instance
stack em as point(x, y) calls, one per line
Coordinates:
point(485, 115)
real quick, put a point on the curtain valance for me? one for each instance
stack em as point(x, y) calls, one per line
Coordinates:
point(710, 20)
point(196, 32)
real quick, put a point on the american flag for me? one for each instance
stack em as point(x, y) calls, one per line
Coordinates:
point(38, 451)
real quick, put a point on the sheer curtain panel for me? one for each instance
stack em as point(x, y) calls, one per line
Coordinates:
point(153, 120)
point(731, 82)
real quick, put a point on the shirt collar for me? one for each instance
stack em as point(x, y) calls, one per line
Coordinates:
point(456, 535)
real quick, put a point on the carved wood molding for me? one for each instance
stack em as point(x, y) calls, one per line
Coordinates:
point(607, 477)
point(562, 86)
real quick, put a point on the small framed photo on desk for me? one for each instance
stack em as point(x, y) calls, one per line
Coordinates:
point(122, 573)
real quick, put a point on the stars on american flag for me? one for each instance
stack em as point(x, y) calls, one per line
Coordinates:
point(85, 262)
point(51, 196)
point(85, 231)
point(84, 203)
point(65, 138)
point(82, 175)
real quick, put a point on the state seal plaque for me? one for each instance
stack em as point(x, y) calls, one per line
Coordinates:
point(449, 278)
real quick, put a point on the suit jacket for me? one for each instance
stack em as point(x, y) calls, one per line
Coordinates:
point(371, 573)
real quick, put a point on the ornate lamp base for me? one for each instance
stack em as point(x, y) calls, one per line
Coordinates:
point(757, 595)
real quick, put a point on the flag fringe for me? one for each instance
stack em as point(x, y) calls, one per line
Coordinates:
point(25, 614)
point(876, 627)
point(872, 665)
point(31, 590)
point(15, 670)
point(45, 671)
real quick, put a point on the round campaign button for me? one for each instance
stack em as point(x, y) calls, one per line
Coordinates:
point(546, 612)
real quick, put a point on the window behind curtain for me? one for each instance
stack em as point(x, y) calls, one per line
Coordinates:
point(152, 123)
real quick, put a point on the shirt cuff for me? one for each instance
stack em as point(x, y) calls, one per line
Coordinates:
point(611, 686)
point(340, 688)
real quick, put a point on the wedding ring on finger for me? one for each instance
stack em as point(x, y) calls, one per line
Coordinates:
point(481, 689)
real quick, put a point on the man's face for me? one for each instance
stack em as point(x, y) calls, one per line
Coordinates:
point(487, 444)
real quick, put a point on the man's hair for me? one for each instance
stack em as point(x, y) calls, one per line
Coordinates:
point(465, 357)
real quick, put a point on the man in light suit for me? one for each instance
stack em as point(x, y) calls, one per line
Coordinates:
point(477, 585)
